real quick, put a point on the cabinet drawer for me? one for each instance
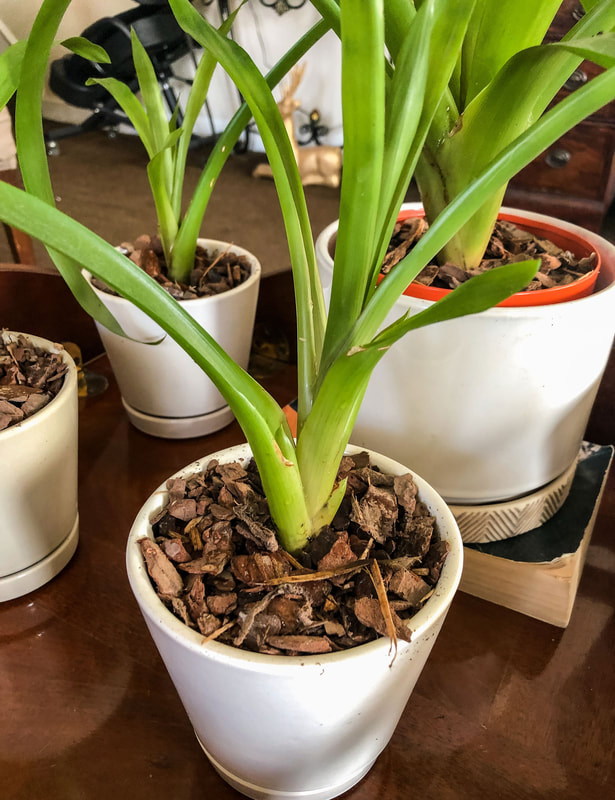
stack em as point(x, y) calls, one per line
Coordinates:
point(577, 164)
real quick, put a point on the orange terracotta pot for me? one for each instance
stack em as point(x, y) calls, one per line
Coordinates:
point(581, 247)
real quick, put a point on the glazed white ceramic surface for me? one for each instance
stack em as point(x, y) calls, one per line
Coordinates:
point(293, 727)
point(163, 391)
point(39, 523)
point(492, 406)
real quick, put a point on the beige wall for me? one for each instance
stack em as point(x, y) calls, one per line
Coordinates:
point(18, 15)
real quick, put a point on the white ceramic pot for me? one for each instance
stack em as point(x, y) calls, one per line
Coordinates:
point(163, 391)
point(293, 727)
point(39, 522)
point(492, 406)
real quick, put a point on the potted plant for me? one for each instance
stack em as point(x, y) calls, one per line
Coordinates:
point(525, 376)
point(336, 356)
point(39, 527)
point(163, 391)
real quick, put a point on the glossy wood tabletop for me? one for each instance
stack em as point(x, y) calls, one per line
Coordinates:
point(507, 707)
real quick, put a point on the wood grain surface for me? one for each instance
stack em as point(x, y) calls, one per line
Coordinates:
point(507, 707)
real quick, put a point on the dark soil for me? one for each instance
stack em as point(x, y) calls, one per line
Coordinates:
point(507, 245)
point(212, 274)
point(29, 378)
point(215, 562)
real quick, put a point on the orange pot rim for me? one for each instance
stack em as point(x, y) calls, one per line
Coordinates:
point(581, 247)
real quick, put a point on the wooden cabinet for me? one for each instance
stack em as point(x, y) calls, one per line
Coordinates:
point(575, 178)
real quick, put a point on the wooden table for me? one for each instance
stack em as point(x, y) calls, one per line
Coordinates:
point(507, 707)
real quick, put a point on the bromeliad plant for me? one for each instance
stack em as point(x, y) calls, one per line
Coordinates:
point(389, 108)
point(503, 80)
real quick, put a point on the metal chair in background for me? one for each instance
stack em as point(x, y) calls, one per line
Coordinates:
point(162, 38)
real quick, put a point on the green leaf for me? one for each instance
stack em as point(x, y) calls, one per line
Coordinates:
point(253, 87)
point(31, 148)
point(194, 105)
point(10, 70)
point(130, 105)
point(496, 32)
point(363, 108)
point(150, 92)
point(475, 295)
point(86, 49)
point(190, 226)
point(444, 33)
point(326, 432)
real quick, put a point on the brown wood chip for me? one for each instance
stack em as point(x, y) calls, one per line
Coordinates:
point(369, 613)
point(183, 509)
point(167, 579)
point(405, 491)
point(211, 563)
point(408, 585)
point(260, 567)
point(175, 550)
point(221, 604)
point(301, 644)
point(375, 513)
point(255, 531)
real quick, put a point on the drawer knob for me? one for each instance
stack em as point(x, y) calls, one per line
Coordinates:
point(578, 78)
point(578, 12)
point(557, 158)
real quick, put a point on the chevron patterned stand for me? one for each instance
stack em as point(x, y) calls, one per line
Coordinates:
point(490, 523)
point(537, 572)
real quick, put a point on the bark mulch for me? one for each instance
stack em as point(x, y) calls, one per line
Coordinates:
point(212, 274)
point(29, 378)
point(215, 562)
point(508, 244)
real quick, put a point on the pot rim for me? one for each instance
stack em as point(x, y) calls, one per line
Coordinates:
point(580, 287)
point(156, 612)
point(607, 273)
point(254, 276)
point(69, 385)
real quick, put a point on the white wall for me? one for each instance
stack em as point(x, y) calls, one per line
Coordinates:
point(266, 36)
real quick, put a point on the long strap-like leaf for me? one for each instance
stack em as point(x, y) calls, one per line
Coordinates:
point(253, 87)
point(190, 226)
point(31, 149)
point(363, 108)
point(194, 106)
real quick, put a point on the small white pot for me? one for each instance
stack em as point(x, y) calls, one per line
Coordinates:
point(39, 522)
point(163, 391)
point(491, 406)
point(284, 726)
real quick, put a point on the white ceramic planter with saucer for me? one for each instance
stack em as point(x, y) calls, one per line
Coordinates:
point(39, 520)
point(163, 391)
point(293, 727)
